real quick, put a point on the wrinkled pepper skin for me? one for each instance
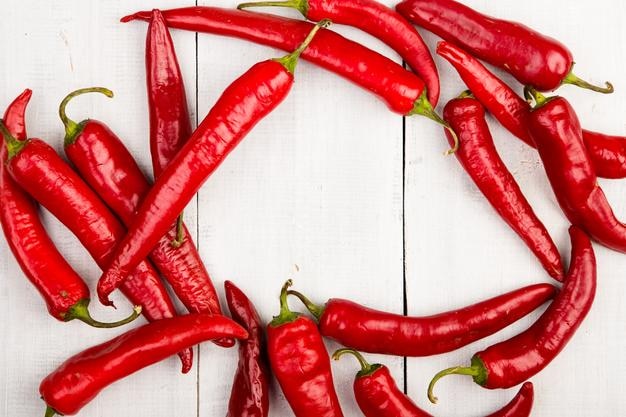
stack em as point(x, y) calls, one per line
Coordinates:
point(520, 406)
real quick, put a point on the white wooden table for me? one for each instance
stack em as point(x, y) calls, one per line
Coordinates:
point(332, 190)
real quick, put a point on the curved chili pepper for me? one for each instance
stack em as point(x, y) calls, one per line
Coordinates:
point(244, 103)
point(376, 392)
point(300, 363)
point(532, 58)
point(373, 331)
point(608, 153)
point(514, 361)
point(555, 128)
point(80, 379)
point(65, 293)
point(40, 171)
point(520, 406)
point(249, 396)
point(379, 21)
point(479, 157)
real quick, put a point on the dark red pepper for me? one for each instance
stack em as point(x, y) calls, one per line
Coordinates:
point(80, 379)
point(520, 406)
point(514, 361)
point(532, 58)
point(249, 396)
point(301, 364)
point(373, 331)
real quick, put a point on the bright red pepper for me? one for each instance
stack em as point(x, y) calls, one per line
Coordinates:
point(379, 21)
point(41, 172)
point(80, 379)
point(520, 406)
point(249, 396)
point(532, 58)
point(242, 105)
point(301, 364)
point(64, 291)
point(514, 361)
point(608, 153)
point(373, 331)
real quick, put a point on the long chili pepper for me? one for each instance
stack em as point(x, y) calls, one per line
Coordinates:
point(41, 172)
point(514, 361)
point(65, 293)
point(300, 363)
point(376, 392)
point(404, 92)
point(373, 331)
point(608, 153)
point(379, 21)
point(532, 58)
point(249, 396)
point(555, 128)
point(80, 379)
point(480, 159)
point(520, 406)
point(243, 104)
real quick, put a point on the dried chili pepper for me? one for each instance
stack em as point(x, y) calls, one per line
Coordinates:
point(532, 58)
point(249, 396)
point(608, 153)
point(376, 392)
point(478, 156)
point(514, 361)
point(300, 363)
point(373, 331)
point(81, 378)
point(244, 103)
point(64, 291)
point(40, 171)
point(379, 21)
point(520, 406)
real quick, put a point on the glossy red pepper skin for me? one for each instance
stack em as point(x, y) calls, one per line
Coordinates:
point(520, 406)
point(249, 396)
point(480, 159)
point(556, 131)
point(373, 331)
point(81, 378)
point(608, 153)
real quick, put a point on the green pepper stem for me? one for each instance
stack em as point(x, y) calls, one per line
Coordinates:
point(290, 61)
point(366, 367)
point(80, 312)
point(285, 315)
point(473, 371)
point(572, 79)
point(50, 412)
point(422, 107)
point(314, 309)
point(72, 129)
point(532, 94)
point(300, 5)
point(466, 94)
point(14, 146)
point(180, 232)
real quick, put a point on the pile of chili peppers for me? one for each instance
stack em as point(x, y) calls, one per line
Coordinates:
point(134, 229)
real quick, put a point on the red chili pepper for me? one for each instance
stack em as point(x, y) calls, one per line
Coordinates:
point(555, 128)
point(65, 293)
point(479, 157)
point(301, 364)
point(81, 378)
point(376, 392)
point(373, 331)
point(514, 361)
point(249, 396)
point(244, 103)
point(41, 172)
point(608, 153)
point(520, 406)
point(532, 58)
point(379, 21)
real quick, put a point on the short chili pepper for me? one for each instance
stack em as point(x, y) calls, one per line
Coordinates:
point(480, 159)
point(243, 104)
point(376, 391)
point(379, 21)
point(41, 172)
point(64, 291)
point(374, 331)
point(520, 406)
point(402, 91)
point(514, 361)
point(555, 128)
point(300, 363)
point(249, 396)
point(608, 153)
point(80, 379)
point(532, 58)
